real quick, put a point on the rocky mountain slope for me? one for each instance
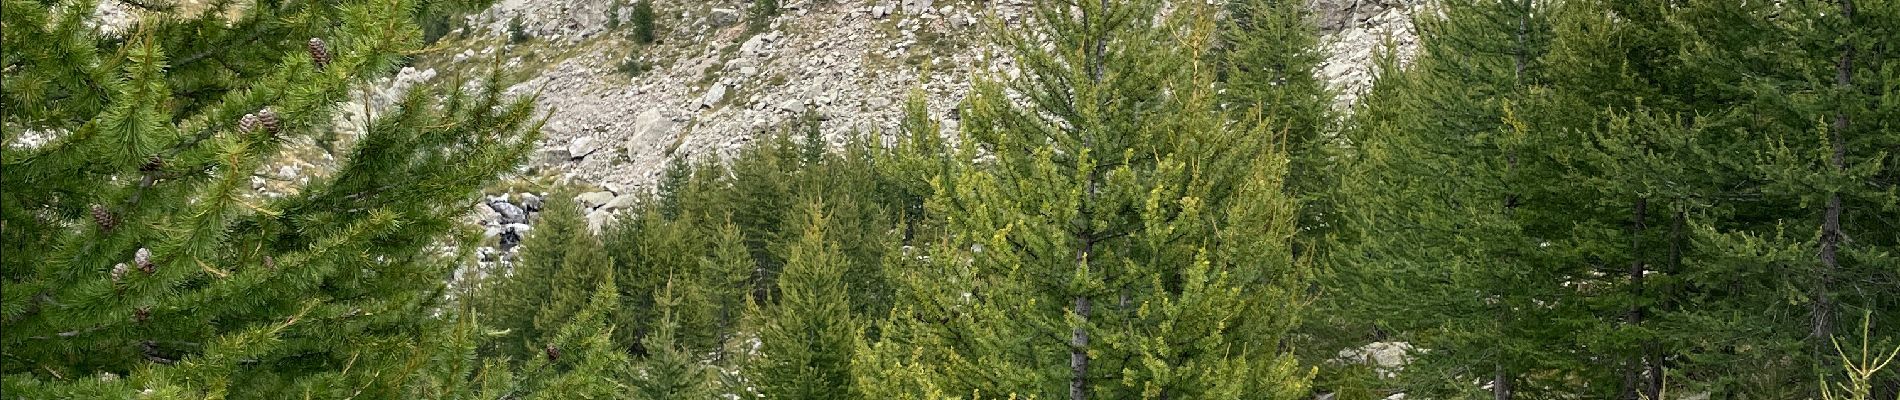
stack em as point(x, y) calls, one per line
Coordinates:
point(711, 85)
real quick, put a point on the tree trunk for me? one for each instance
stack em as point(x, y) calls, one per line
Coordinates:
point(1501, 384)
point(1639, 363)
point(1078, 353)
point(1502, 377)
point(1079, 336)
point(1822, 308)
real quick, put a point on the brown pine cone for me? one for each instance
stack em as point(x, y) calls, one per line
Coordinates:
point(143, 258)
point(269, 121)
point(319, 53)
point(104, 218)
point(247, 123)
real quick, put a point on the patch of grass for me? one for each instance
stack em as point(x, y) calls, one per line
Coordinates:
point(633, 66)
point(712, 73)
point(760, 15)
point(613, 14)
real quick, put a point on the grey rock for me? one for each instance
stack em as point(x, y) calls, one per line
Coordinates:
point(793, 106)
point(916, 7)
point(713, 95)
point(755, 47)
point(594, 199)
point(582, 146)
point(510, 214)
point(622, 201)
point(509, 239)
point(486, 214)
point(722, 17)
point(556, 156)
point(531, 202)
point(649, 128)
point(598, 219)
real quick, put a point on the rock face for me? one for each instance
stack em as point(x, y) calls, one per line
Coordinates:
point(1385, 357)
point(1354, 32)
point(712, 86)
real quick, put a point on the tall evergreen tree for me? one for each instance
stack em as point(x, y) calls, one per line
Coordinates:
point(1268, 56)
point(580, 360)
point(726, 274)
point(1452, 227)
point(669, 371)
point(805, 337)
point(136, 257)
point(643, 24)
point(559, 265)
point(1118, 239)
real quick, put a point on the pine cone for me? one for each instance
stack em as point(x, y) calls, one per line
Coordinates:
point(104, 218)
point(248, 123)
point(268, 120)
point(143, 258)
point(553, 353)
point(142, 314)
point(319, 53)
point(118, 272)
point(270, 263)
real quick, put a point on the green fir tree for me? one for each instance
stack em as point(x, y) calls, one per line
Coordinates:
point(1117, 237)
point(805, 336)
point(139, 260)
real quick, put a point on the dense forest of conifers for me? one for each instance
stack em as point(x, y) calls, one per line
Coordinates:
point(1579, 199)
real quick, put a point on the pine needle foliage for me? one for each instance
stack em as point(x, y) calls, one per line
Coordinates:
point(558, 265)
point(806, 335)
point(227, 294)
point(1118, 237)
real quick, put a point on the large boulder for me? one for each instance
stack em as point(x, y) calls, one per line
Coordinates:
point(510, 214)
point(713, 95)
point(1385, 357)
point(723, 17)
point(649, 128)
point(595, 199)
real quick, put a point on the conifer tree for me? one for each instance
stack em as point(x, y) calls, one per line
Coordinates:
point(648, 249)
point(1802, 98)
point(726, 274)
point(1118, 239)
point(805, 337)
point(137, 259)
point(560, 262)
point(642, 16)
point(1270, 51)
point(669, 370)
point(579, 360)
point(1452, 231)
point(760, 193)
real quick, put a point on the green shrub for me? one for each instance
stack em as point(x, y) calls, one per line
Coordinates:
point(643, 22)
point(633, 66)
point(613, 14)
point(761, 14)
point(516, 32)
